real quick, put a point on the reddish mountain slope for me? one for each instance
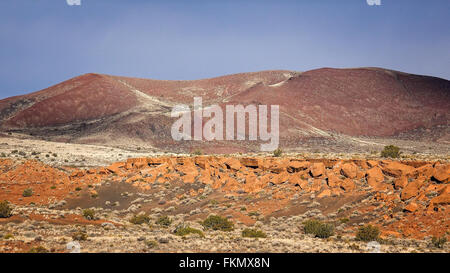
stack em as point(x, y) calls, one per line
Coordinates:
point(372, 102)
point(86, 97)
point(354, 102)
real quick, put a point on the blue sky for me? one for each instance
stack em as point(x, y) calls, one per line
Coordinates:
point(44, 42)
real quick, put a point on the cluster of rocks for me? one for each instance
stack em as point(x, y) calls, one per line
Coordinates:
point(407, 200)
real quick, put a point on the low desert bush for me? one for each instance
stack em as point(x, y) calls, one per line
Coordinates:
point(38, 249)
point(438, 241)
point(185, 230)
point(140, 219)
point(89, 214)
point(164, 221)
point(318, 229)
point(391, 151)
point(151, 243)
point(278, 152)
point(253, 233)
point(368, 233)
point(79, 236)
point(216, 222)
point(27, 192)
point(253, 213)
point(5, 209)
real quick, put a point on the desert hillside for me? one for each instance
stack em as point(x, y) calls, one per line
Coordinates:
point(340, 108)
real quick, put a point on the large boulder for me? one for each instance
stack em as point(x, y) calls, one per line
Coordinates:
point(348, 185)
point(400, 182)
point(397, 169)
point(411, 190)
point(317, 169)
point(249, 162)
point(295, 166)
point(412, 207)
point(349, 170)
point(375, 178)
point(441, 173)
point(233, 163)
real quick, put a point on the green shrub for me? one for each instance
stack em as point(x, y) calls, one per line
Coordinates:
point(5, 209)
point(8, 236)
point(164, 221)
point(185, 230)
point(253, 233)
point(368, 233)
point(27, 192)
point(38, 249)
point(318, 229)
point(325, 231)
point(216, 222)
point(391, 151)
point(140, 219)
point(197, 152)
point(439, 241)
point(77, 189)
point(89, 214)
point(278, 152)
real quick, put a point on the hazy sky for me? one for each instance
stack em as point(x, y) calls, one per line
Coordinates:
point(43, 42)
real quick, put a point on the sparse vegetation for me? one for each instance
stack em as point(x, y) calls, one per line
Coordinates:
point(253, 213)
point(151, 243)
point(5, 209)
point(253, 233)
point(185, 230)
point(79, 236)
point(38, 249)
point(164, 221)
point(318, 229)
point(8, 236)
point(438, 241)
point(368, 233)
point(391, 151)
point(278, 152)
point(89, 214)
point(27, 192)
point(216, 222)
point(140, 219)
point(197, 152)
